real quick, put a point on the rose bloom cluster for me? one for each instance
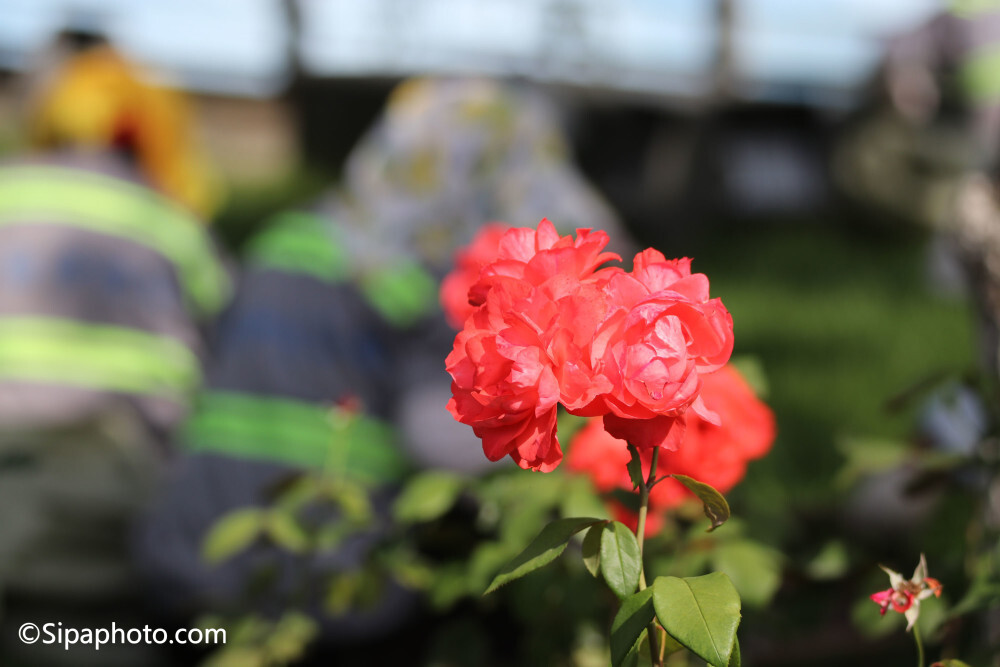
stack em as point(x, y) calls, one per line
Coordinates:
point(716, 454)
point(552, 325)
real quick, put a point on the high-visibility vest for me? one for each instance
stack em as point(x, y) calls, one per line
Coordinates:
point(102, 282)
point(308, 328)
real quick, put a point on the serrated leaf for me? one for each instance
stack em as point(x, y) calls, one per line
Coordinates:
point(632, 619)
point(716, 507)
point(702, 613)
point(286, 532)
point(427, 497)
point(543, 550)
point(621, 562)
point(592, 548)
point(634, 467)
point(231, 534)
point(754, 569)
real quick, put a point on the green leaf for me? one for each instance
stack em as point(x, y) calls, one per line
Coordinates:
point(409, 569)
point(668, 644)
point(982, 593)
point(635, 467)
point(736, 658)
point(298, 493)
point(238, 656)
point(754, 569)
point(702, 613)
point(427, 497)
point(621, 562)
point(632, 659)
point(286, 532)
point(290, 637)
point(632, 619)
point(543, 550)
point(830, 563)
point(486, 558)
point(342, 593)
point(592, 548)
point(951, 662)
point(716, 507)
point(867, 456)
point(352, 499)
point(231, 534)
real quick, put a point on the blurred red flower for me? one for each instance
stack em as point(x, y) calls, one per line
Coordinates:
point(469, 261)
point(716, 454)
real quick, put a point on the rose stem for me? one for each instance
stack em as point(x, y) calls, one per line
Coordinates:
point(640, 535)
point(920, 645)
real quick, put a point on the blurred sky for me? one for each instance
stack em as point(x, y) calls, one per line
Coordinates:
point(782, 47)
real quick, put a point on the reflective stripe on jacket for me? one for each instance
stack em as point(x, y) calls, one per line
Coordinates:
point(101, 284)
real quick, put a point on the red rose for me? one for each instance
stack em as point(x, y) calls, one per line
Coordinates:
point(550, 326)
point(663, 335)
point(716, 454)
point(523, 349)
point(469, 261)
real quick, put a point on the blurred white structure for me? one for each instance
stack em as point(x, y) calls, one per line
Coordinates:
point(813, 52)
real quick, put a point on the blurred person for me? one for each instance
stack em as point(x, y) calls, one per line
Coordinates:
point(338, 305)
point(946, 73)
point(300, 386)
point(106, 273)
point(930, 150)
point(446, 157)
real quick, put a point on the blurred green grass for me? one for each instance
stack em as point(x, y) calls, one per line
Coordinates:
point(842, 319)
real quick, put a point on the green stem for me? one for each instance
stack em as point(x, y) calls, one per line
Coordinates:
point(920, 645)
point(640, 536)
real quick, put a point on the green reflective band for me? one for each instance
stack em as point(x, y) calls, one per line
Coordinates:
point(298, 242)
point(296, 433)
point(401, 294)
point(110, 206)
point(95, 356)
point(981, 75)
